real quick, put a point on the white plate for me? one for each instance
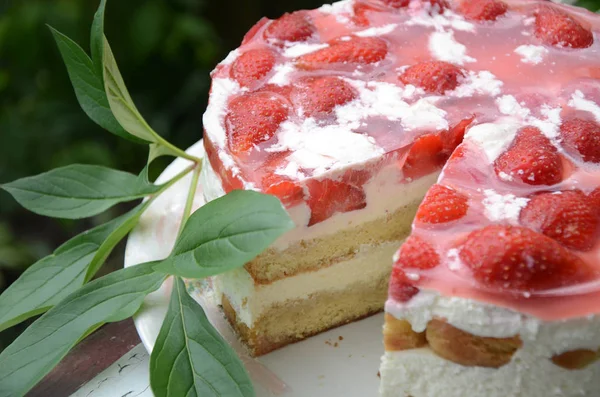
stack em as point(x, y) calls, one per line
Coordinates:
point(324, 365)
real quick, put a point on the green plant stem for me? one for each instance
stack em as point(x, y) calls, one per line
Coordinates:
point(172, 181)
point(174, 149)
point(187, 210)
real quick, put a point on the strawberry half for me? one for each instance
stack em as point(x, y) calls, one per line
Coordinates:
point(328, 197)
point(583, 137)
point(281, 186)
point(532, 159)
point(254, 30)
point(425, 156)
point(361, 50)
point(557, 28)
point(441, 205)
point(318, 96)
point(252, 66)
point(595, 200)
point(296, 26)
point(568, 217)
point(433, 76)
point(416, 254)
point(483, 10)
point(518, 259)
point(254, 118)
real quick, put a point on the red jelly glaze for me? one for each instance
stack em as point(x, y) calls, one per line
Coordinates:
point(490, 252)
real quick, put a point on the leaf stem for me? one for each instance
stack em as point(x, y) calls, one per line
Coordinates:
point(190, 197)
point(162, 141)
point(173, 180)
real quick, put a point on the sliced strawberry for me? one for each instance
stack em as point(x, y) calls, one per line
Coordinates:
point(433, 76)
point(442, 205)
point(361, 10)
point(425, 156)
point(254, 30)
point(328, 197)
point(318, 96)
point(254, 118)
point(483, 10)
point(454, 136)
point(416, 254)
point(281, 186)
point(583, 137)
point(361, 50)
point(252, 66)
point(296, 26)
point(396, 3)
point(557, 28)
point(519, 259)
point(568, 217)
point(532, 159)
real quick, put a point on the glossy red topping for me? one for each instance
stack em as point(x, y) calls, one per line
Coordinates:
point(296, 26)
point(583, 137)
point(433, 76)
point(425, 156)
point(368, 99)
point(568, 217)
point(358, 50)
point(252, 66)
point(254, 118)
point(442, 205)
point(328, 197)
point(483, 10)
point(532, 159)
point(320, 95)
point(558, 28)
point(414, 254)
point(519, 259)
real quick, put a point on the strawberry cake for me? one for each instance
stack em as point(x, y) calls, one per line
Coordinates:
point(482, 118)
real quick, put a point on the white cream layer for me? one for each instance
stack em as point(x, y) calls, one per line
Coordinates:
point(531, 373)
point(384, 195)
point(250, 301)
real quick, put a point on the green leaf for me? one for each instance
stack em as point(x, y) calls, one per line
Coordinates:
point(88, 85)
point(77, 191)
point(226, 233)
point(49, 280)
point(190, 358)
point(113, 239)
point(120, 101)
point(97, 40)
point(111, 298)
point(44, 284)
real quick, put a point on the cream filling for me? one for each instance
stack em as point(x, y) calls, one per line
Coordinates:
point(250, 301)
point(530, 373)
point(384, 195)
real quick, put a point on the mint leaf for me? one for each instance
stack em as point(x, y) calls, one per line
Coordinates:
point(77, 191)
point(226, 233)
point(97, 40)
point(88, 86)
point(108, 299)
point(190, 358)
point(50, 279)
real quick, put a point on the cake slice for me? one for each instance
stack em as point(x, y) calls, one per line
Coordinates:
point(496, 292)
point(315, 109)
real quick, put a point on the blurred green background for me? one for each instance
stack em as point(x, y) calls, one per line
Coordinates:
point(165, 49)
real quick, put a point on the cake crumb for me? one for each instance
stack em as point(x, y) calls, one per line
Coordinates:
point(335, 344)
point(340, 337)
